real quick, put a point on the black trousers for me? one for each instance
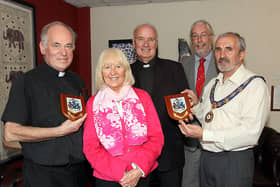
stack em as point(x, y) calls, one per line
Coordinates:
point(170, 178)
point(143, 182)
point(72, 175)
point(227, 169)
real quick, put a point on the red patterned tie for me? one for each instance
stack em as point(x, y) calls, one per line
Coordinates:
point(200, 77)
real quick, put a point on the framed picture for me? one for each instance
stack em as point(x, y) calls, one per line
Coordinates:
point(18, 54)
point(127, 48)
point(275, 98)
point(183, 48)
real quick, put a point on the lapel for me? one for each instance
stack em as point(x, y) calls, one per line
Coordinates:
point(189, 64)
point(212, 70)
point(191, 74)
point(157, 76)
point(189, 67)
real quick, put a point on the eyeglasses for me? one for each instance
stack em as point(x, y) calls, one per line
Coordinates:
point(142, 40)
point(201, 36)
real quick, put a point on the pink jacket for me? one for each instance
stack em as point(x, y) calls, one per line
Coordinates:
point(111, 168)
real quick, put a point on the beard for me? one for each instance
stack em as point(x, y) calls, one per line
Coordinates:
point(201, 49)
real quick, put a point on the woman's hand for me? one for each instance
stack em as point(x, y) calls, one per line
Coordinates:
point(131, 178)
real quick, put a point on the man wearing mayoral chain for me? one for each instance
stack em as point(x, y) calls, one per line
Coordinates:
point(232, 111)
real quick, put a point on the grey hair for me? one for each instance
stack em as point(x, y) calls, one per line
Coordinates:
point(202, 22)
point(99, 80)
point(241, 40)
point(45, 29)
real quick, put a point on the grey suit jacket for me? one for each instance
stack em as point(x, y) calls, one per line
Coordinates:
point(189, 68)
point(189, 64)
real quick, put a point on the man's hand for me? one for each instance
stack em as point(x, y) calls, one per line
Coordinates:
point(68, 126)
point(189, 130)
point(131, 178)
point(192, 97)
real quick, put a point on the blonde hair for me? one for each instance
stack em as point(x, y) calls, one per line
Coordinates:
point(99, 80)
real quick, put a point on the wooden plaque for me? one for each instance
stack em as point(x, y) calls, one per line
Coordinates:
point(178, 106)
point(72, 107)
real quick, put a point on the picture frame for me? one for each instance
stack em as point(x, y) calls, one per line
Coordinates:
point(18, 55)
point(275, 98)
point(126, 45)
point(183, 48)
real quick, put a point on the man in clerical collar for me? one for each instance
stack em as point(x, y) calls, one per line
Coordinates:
point(233, 112)
point(161, 77)
point(51, 144)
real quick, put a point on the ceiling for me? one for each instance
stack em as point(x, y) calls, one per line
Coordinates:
point(100, 3)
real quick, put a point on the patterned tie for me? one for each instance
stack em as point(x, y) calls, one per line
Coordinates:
point(200, 77)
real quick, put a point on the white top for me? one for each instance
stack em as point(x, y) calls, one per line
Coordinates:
point(236, 125)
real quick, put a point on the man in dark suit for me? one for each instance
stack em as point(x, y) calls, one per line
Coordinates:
point(202, 36)
point(161, 77)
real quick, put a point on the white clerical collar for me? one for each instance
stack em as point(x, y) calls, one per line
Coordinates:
point(61, 74)
point(146, 65)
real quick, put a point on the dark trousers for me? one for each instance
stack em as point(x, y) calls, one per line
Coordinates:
point(35, 175)
point(143, 182)
point(170, 178)
point(227, 169)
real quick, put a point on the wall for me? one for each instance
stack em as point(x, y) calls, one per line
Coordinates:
point(79, 20)
point(256, 20)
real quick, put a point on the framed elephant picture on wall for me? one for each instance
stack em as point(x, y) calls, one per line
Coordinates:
point(17, 55)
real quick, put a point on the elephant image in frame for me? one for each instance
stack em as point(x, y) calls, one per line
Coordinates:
point(13, 36)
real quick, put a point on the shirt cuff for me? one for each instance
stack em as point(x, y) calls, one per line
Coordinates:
point(210, 136)
point(134, 166)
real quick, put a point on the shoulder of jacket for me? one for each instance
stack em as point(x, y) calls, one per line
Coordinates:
point(188, 60)
point(142, 94)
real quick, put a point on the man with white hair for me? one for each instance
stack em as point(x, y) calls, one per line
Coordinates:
point(199, 68)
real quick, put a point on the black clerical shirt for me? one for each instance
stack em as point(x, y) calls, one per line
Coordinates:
point(147, 72)
point(34, 101)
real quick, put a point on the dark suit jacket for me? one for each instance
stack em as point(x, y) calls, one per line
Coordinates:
point(189, 67)
point(169, 78)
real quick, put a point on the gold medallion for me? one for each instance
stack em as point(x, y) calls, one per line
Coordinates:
point(214, 105)
point(209, 117)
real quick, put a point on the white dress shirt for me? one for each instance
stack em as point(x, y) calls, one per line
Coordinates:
point(236, 125)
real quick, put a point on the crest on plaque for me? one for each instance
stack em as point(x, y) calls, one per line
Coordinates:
point(178, 106)
point(72, 107)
